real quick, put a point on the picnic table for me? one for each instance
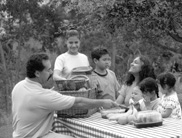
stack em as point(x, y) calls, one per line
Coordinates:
point(97, 127)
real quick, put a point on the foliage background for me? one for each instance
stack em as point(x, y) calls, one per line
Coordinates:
point(126, 27)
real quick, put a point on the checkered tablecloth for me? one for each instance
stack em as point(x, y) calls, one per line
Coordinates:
point(96, 127)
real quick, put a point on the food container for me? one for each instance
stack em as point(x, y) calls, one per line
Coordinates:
point(65, 85)
point(74, 83)
point(80, 81)
point(77, 112)
point(149, 118)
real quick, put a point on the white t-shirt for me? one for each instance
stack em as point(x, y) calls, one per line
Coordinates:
point(33, 108)
point(66, 62)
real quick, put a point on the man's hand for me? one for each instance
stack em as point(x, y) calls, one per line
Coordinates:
point(107, 103)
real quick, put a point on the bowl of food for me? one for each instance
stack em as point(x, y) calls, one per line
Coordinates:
point(66, 85)
point(148, 118)
point(81, 81)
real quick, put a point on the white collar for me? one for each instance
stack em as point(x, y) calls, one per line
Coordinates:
point(33, 82)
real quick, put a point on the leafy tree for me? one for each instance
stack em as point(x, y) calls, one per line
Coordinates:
point(21, 20)
point(125, 27)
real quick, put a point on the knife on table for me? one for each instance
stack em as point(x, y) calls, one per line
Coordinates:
point(124, 107)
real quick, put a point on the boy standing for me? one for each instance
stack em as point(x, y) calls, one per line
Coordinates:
point(102, 78)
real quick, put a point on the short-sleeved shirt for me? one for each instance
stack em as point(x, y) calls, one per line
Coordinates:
point(66, 62)
point(171, 102)
point(126, 92)
point(107, 85)
point(33, 108)
point(152, 106)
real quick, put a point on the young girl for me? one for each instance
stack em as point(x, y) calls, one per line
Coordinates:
point(65, 62)
point(150, 94)
point(169, 105)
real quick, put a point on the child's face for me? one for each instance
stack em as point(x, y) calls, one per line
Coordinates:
point(147, 96)
point(104, 62)
point(73, 44)
point(136, 94)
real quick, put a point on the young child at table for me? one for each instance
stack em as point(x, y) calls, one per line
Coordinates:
point(102, 78)
point(169, 105)
point(150, 94)
point(136, 98)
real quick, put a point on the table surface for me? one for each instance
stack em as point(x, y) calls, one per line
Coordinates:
point(97, 127)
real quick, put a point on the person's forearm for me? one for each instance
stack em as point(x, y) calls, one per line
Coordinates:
point(166, 113)
point(120, 99)
point(87, 103)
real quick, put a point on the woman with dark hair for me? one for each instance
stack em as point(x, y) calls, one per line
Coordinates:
point(140, 69)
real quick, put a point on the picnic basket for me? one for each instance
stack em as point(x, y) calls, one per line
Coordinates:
point(74, 83)
point(80, 81)
point(78, 112)
point(65, 85)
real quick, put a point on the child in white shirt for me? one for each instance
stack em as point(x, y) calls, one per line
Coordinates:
point(136, 98)
point(169, 105)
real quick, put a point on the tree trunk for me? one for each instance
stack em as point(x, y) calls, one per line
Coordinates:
point(6, 76)
point(113, 58)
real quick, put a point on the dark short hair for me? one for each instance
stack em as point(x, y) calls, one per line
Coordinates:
point(166, 78)
point(98, 52)
point(149, 85)
point(72, 33)
point(147, 70)
point(34, 64)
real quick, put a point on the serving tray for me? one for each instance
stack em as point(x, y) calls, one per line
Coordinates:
point(144, 125)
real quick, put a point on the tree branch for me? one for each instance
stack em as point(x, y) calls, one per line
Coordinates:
point(164, 47)
point(173, 33)
point(175, 36)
